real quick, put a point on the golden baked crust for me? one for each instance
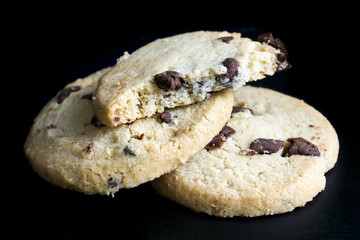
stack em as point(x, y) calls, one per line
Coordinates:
point(193, 64)
point(235, 180)
point(69, 147)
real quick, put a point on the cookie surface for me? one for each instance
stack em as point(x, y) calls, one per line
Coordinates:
point(181, 70)
point(273, 160)
point(69, 147)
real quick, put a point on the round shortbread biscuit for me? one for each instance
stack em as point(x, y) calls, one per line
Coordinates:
point(69, 147)
point(273, 160)
point(181, 70)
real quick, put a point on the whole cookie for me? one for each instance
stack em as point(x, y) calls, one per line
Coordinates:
point(270, 158)
point(69, 147)
point(181, 70)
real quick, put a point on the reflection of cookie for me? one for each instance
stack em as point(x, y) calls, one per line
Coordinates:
point(70, 147)
point(181, 70)
point(272, 161)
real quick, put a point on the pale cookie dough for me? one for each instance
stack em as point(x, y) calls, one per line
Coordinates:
point(246, 171)
point(69, 147)
point(181, 70)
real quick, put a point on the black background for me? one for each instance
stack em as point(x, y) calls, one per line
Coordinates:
point(48, 46)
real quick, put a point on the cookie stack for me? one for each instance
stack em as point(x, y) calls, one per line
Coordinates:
point(175, 112)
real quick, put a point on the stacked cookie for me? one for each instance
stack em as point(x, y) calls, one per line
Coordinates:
point(174, 112)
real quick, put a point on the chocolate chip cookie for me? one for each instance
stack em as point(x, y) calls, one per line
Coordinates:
point(70, 147)
point(271, 157)
point(181, 70)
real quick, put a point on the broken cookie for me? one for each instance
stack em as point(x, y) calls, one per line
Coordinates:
point(181, 70)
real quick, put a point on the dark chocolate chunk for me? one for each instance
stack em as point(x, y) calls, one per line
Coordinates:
point(278, 44)
point(166, 117)
point(89, 147)
point(266, 145)
point(226, 39)
point(113, 183)
point(128, 151)
point(51, 126)
point(87, 96)
point(141, 137)
point(201, 83)
point(66, 92)
point(168, 81)
point(274, 42)
point(219, 139)
point(232, 69)
point(96, 122)
point(300, 146)
point(237, 109)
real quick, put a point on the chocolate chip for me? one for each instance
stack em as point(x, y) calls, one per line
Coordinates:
point(66, 92)
point(166, 117)
point(96, 122)
point(232, 69)
point(226, 39)
point(128, 151)
point(219, 139)
point(87, 96)
point(113, 183)
point(51, 126)
point(201, 83)
point(237, 109)
point(168, 81)
point(89, 147)
point(300, 146)
point(141, 137)
point(251, 152)
point(116, 119)
point(274, 42)
point(266, 145)
point(277, 44)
